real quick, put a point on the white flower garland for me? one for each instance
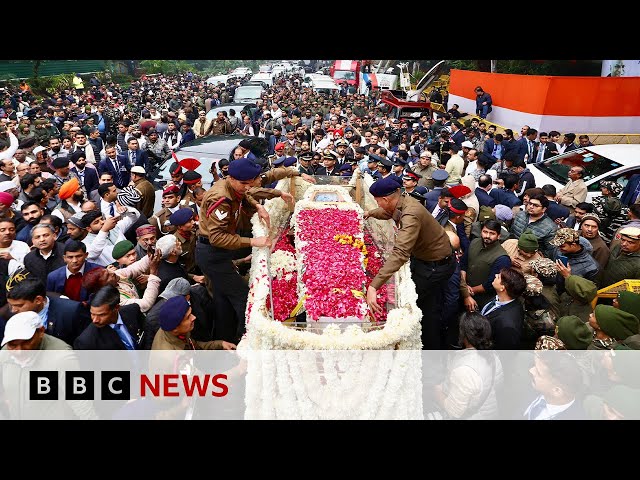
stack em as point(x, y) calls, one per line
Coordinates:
point(357, 387)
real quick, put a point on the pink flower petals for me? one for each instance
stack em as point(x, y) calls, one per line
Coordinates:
point(331, 269)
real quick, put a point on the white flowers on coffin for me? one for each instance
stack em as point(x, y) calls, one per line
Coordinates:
point(402, 329)
point(287, 380)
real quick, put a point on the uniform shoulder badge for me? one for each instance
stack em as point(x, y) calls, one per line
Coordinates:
point(215, 205)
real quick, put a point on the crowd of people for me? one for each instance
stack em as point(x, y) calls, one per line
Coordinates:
point(498, 261)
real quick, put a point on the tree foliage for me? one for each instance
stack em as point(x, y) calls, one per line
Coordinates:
point(533, 67)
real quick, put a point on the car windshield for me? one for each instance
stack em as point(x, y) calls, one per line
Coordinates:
point(594, 165)
point(344, 75)
point(247, 92)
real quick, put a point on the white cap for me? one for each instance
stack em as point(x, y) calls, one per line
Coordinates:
point(38, 149)
point(21, 326)
point(7, 185)
point(467, 144)
point(138, 169)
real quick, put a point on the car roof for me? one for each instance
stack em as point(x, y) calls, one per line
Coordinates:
point(626, 154)
point(219, 144)
point(238, 107)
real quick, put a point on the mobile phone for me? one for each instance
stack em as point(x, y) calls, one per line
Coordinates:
point(563, 259)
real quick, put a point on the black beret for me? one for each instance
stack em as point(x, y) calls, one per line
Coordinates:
point(60, 162)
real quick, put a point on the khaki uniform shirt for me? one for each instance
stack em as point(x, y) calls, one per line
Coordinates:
point(161, 221)
point(188, 256)
point(167, 341)
point(419, 235)
point(219, 213)
point(148, 196)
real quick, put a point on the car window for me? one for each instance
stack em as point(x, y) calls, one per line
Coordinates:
point(594, 165)
point(622, 178)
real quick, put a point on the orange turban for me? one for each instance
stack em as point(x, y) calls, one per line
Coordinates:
point(68, 188)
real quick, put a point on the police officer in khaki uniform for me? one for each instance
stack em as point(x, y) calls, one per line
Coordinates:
point(218, 237)
point(192, 180)
point(423, 241)
point(171, 203)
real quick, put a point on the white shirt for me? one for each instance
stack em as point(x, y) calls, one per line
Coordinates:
point(68, 273)
point(18, 251)
point(549, 412)
point(105, 208)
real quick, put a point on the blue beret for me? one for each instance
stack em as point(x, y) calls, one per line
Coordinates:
point(440, 175)
point(290, 161)
point(244, 169)
point(398, 179)
point(181, 216)
point(384, 187)
point(172, 312)
point(278, 161)
point(345, 168)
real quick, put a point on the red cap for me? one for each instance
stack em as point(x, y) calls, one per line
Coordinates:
point(171, 189)
point(460, 191)
point(279, 146)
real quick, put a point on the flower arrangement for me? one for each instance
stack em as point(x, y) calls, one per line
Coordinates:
point(402, 327)
point(332, 271)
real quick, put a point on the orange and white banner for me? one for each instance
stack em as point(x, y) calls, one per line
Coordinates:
point(566, 104)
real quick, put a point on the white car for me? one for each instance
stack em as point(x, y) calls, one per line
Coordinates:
point(616, 162)
point(265, 78)
point(242, 71)
point(217, 79)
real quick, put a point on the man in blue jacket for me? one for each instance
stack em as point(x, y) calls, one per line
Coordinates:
point(67, 280)
point(483, 102)
point(62, 318)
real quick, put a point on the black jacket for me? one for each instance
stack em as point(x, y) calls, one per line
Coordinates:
point(66, 319)
point(41, 268)
point(506, 326)
point(106, 338)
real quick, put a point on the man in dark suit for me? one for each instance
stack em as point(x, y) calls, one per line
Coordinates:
point(137, 157)
point(68, 279)
point(439, 178)
point(544, 149)
point(112, 327)
point(493, 148)
point(482, 191)
point(457, 136)
point(559, 381)
point(328, 167)
point(527, 146)
point(63, 318)
point(88, 177)
point(509, 143)
point(631, 190)
point(118, 166)
point(505, 312)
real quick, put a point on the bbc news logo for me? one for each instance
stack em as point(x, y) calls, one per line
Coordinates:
point(116, 385)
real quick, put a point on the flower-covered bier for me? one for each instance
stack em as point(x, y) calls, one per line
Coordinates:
point(284, 273)
point(333, 276)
